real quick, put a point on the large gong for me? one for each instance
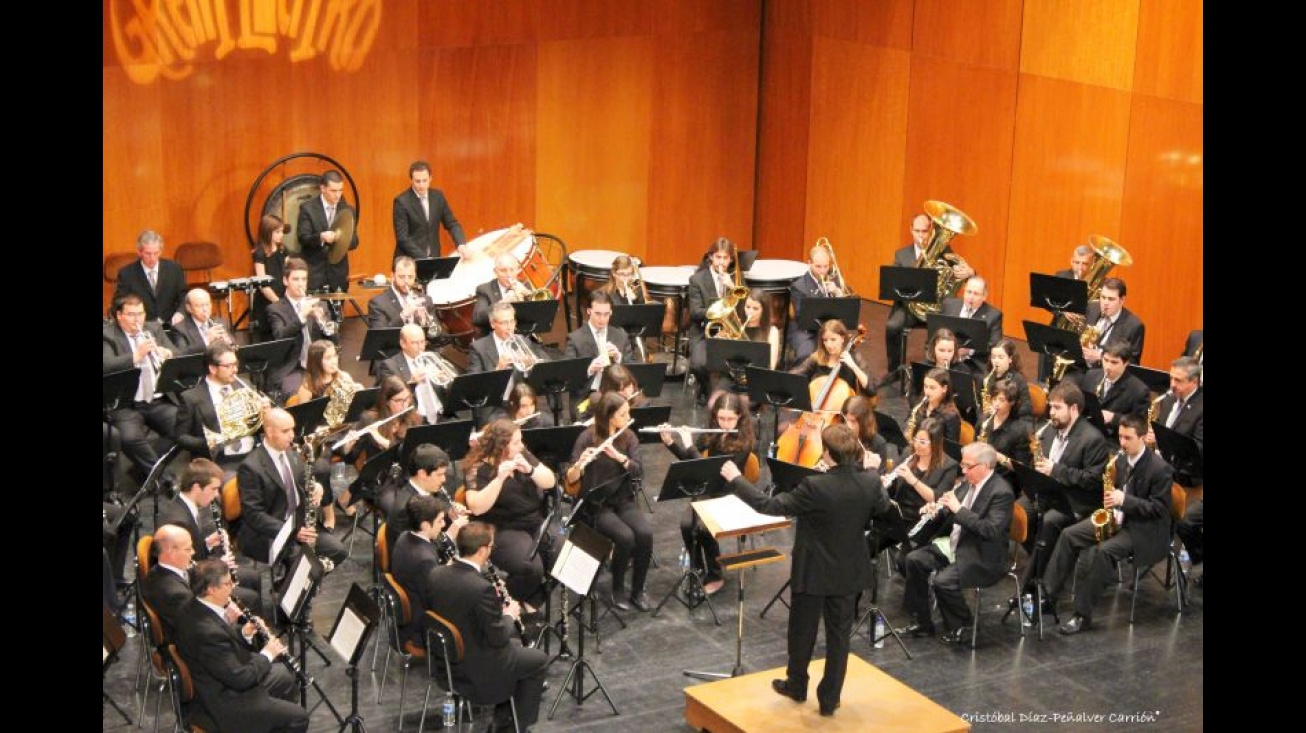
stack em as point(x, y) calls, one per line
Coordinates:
point(285, 188)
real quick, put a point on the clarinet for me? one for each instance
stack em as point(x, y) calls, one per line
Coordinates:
point(306, 500)
point(445, 550)
point(491, 574)
point(262, 636)
point(222, 534)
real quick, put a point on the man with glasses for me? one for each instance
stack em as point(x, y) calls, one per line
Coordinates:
point(976, 548)
point(900, 318)
point(496, 350)
point(200, 405)
point(595, 341)
point(504, 287)
point(131, 342)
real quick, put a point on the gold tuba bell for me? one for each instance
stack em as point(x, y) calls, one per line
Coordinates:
point(1109, 254)
point(949, 221)
point(723, 314)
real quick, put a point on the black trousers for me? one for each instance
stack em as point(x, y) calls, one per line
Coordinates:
point(805, 613)
point(1096, 567)
point(899, 320)
point(1189, 530)
point(631, 535)
point(511, 554)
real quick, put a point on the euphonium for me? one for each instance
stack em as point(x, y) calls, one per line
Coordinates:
point(341, 391)
point(723, 315)
point(948, 222)
point(1104, 520)
point(1109, 254)
point(437, 367)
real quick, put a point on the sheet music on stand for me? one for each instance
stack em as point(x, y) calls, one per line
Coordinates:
point(729, 516)
point(357, 616)
point(308, 570)
point(579, 559)
point(279, 542)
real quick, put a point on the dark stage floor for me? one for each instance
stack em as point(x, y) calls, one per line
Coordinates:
point(1149, 673)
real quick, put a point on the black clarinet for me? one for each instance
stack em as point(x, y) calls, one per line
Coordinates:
point(262, 636)
point(444, 549)
point(491, 574)
point(306, 497)
point(222, 534)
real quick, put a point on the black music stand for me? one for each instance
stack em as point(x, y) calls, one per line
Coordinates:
point(379, 344)
point(308, 416)
point(296, 593)
point(376, 472)
point(639, 321)
point(576, 567)
point(817, 310)
point(650, 417)
point(888, 427)
point(362, 401)
point(1177, 449)
point(972, 333)
point(476, 390)
point(118, 389)
point(784, 477)
point(778, 389)
point(685, 479)
point(907, 285)
point(1058, 294)
point(1092, 412)
point(535, 316)
point(1157, 381)
point(256, 358)
point(435, 268)
point(649, 376)
point(356, 621)
point(1043, 491)
point(558, 376)
point(182, 372)
point(733, 356)
point(451, 436)
point(1054, 342)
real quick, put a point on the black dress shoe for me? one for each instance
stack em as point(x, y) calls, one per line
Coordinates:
point(960, 635)
point(641, 602)
point(916, 631)
point(620, 604)
point(782, 687)
point(827, 712)
point(1075, 625)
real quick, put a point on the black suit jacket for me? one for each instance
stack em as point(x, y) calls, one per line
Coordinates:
point(803, 287)
point(701, 294)
point(196, 413)
point(192, 342)
point(417, 235)
point(176, 512)
point(411, 562)
point(284, 322)
point(1188, 423)
point(484, 356)
point(1128, 396)
point(487, 294)
point(308, 230)
point(263, 500)
point(830, 556)
point(1127, 329)
point(117, 348)
point(226, 672)
point(385, 309)
point(161, 302)
point(581, 344)
point(1147, 504)
point(987, 313)
point(167, 594)
point(985, 528)
point(467, 600)
point(396, 365)
point(1080, 467)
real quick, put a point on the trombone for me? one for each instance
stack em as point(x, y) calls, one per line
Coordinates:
point(832, 283)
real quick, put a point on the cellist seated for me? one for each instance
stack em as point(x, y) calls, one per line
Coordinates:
point(852, 378)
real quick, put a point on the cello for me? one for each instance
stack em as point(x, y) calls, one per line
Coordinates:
point(801, 441)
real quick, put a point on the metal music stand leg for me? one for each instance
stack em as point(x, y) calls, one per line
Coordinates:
point(302, 630)
point(739, 638)
point(777, 597)
point(355, 721)
point(874, 612)
point(692, 581)
point(574, 684)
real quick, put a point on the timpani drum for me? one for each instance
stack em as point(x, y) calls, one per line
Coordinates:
point(671, 284)
point(773, 277)
point(592, 268)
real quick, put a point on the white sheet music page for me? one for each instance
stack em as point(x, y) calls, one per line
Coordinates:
point(730, 515)
point(348, 633)
point(295, 588)
point(575, 568)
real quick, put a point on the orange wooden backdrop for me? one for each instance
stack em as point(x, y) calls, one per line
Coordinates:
point(655, 126)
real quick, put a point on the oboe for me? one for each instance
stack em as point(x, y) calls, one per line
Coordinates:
point(491, 574)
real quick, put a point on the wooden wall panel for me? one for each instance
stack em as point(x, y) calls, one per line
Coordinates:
point(568, 19)
point(446, 23)
point(1089, 41)
point(875, 23)
point(780, 206)
point(699, 16)
point(477, 118)
point(967, 165)
point(702, 167)
point(132, 164)
point(1067, 180)
point(856, 163)
point(1170, 50)
point(1162, 223)
point(978, 32)
point(593, 141)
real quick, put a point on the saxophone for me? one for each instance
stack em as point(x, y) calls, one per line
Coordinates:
point(306, 497)
point(1035, 447)
point(912, 419)
point(986, 392)
point(1154, 411)
point(1104, 520)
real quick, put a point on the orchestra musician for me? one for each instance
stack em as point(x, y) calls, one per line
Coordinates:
point(504, 287)
point(1004, 366)
point(316, 237)
point(859, 415)
point(815, 283)
point(198, 328)
point(523, 408)
point(834, 338)
point(615, 378)
point(131, 342)
point(594, 340)
point(1181, 411)
point(299, 317)
point(415, 554)
point(900, 317)
point(426, 469)
point(402, 302)
point(1119, 392)
point(757, 327)
point(706, 286)
point(269, 255)
point(941, 353)
point(620, 286)
point(973, 304)
point(1139, 499)
point(978, 519)
point(495, 350)
point(924, 474)
point(160, 283)
point(1115, 323)
point(506, 487)
point(320, 381)
point(728, 411)
point(1005, 430)
point(418, 213)
point(1081, 259)
point(166, 587)
point(200, 405)
point(937, 403)
point(393, 397)
point(603, 461)
point(429, 383)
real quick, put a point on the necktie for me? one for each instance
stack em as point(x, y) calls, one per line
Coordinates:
point(966, 312)
point(1058, 447)
point(287, 478)
point(145, 390)
point(1103, 387)
point(1169, 420)
point(331, 214)
point(153, 275)
point(968, 502)
point(426, 208)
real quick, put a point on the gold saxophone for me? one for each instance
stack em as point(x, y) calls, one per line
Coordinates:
point(1154, 411)
point(1104, 520)
point(912, 419)
point(986, 392)
point(1035, 447)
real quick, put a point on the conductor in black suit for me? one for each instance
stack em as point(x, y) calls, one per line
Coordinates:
point(980, 512)
point(583, 343)
point(1140, 503)
point(1120, 392)
point(831, 563)
point(974, 304)
point(419, 212)
point(900, 318)
point(316, 237)
point(239, 688)
point(1114, 322)
point(159, 283)
point(493, 666)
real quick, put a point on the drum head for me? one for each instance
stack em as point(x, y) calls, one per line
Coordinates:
point(285, 200)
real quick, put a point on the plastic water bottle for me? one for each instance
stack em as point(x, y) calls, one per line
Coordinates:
point(448, 710)
point(1027, 603)
point(129, 617)
point(684, 561)
point(879, 632)
point(1185, 562)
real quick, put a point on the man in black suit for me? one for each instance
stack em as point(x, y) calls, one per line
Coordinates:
point(193, 510)
point(1181, 411)
point(1081, 260)
point(428, 384)
point(271, 494)
point(981, 524)
point(418, 551)
point(1140, 504)
point(830, 561)
point(973, 304)
point(199, 409)
point(491, 352)
point(295, 316)
point(239, 688)
point(504, 287)
point(1114, 322)
point(706, 286)
point(316, 237)
point(198, 328)
point(584, 343)
point(812, 284)
point(1120, 392)
point(900, 318)
point(493, 667)
point(131, 342)
point(402, 302)
point(419, 212)
point(159, 283)
point(166, 587)
point(1073, 453)
point(427, 467)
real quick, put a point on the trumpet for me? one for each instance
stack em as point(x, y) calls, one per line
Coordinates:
point(156, 360)
point(520, 354)
point(319, 310)
point(211, 324)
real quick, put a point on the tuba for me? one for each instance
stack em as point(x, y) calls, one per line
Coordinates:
point(723, 315)
point(1104, 520)
point(948, 223)
point(835, 276)
point(1109, 254)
